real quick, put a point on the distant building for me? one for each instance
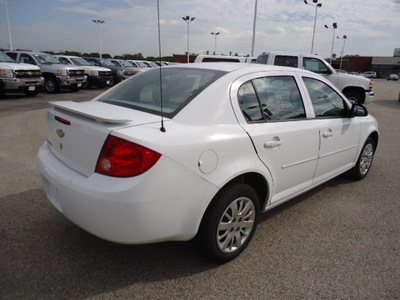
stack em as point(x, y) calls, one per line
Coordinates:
point(382, 65)
point(182, 58)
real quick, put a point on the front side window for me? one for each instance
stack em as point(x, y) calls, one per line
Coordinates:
point(179, 87)
point(274, 98)
point(326, 102)
point(315, 65)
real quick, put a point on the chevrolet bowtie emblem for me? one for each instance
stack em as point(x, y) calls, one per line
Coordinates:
point(60, 133)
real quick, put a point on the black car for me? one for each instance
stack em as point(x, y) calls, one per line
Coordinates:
point(119, 73)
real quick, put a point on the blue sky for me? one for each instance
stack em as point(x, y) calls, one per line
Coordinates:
point(372, 27)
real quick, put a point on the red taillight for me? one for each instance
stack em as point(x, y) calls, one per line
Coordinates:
point(62, 120)
point(121, 158)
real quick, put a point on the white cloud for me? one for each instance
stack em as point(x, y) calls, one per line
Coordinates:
point(372, 26)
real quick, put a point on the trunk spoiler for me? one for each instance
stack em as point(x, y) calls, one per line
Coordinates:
point(98, 111)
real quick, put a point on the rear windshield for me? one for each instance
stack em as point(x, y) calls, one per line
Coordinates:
point(220, 59)
point(179, 87)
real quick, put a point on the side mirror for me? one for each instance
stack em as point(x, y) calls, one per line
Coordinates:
point(358, 111)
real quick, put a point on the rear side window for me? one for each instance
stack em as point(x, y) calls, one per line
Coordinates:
point(286, 61)
point(275, 98)
point(326, 102)
point(179, 87)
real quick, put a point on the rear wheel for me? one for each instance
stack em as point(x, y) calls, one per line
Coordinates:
point(230, 222)
point(364, 161)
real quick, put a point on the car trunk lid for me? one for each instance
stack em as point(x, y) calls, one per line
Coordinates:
point(77, 130)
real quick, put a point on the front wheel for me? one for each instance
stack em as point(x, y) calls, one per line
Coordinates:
point(354, 97)
point(51, 85)
point(364, 161)
point(230, 222)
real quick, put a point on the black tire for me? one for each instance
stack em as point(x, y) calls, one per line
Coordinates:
point(51, 85)
point(364, 162)
point(230, 222)
point(354, 97)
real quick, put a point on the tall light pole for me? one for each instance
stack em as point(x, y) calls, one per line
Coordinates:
point(98, 22)
point(8, 26)
point(254, 29)
point(342, 53)
point(188, 20)
point(334, 26)
point(215, 44)
point(316, 5)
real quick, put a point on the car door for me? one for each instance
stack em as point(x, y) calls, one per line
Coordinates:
point(339, 134)
point(284, 139)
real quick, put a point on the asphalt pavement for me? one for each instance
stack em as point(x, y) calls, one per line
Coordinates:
point(338, 241)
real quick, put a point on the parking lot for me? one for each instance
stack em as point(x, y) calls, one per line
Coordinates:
point(338, 241)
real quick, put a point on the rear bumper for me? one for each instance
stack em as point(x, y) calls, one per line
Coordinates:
point(23, 84)
point(153, 207)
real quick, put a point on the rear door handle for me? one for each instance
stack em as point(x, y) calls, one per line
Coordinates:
point(328, 133)
point(274, 143)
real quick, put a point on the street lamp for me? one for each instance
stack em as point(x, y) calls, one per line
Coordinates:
point(254, 29)
point(334, 26)
point(8, 26)
point(316, 5)
point(215, 44)
point(342, 53)
point(188, 19)
point(98, 22)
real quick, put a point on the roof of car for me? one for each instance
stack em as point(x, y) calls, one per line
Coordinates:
point(230, 67)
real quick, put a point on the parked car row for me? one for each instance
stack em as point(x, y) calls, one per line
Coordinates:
point(31, 72)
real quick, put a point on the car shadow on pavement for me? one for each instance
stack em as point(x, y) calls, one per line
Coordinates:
point(44, 254)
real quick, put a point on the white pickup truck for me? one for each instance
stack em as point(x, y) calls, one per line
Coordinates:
point(357, 89)
point(19, 78)
point(56, 75)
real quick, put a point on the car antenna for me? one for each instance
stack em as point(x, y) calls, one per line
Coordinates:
point(162, 129)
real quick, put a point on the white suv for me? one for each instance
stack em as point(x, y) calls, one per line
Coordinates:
point(370, 74)
point(357, 89)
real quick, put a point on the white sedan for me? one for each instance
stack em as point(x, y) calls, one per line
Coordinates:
point(199, 150)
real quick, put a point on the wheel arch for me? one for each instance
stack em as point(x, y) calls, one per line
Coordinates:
point(375, 136)
point(355, 89)
point(257, 181)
